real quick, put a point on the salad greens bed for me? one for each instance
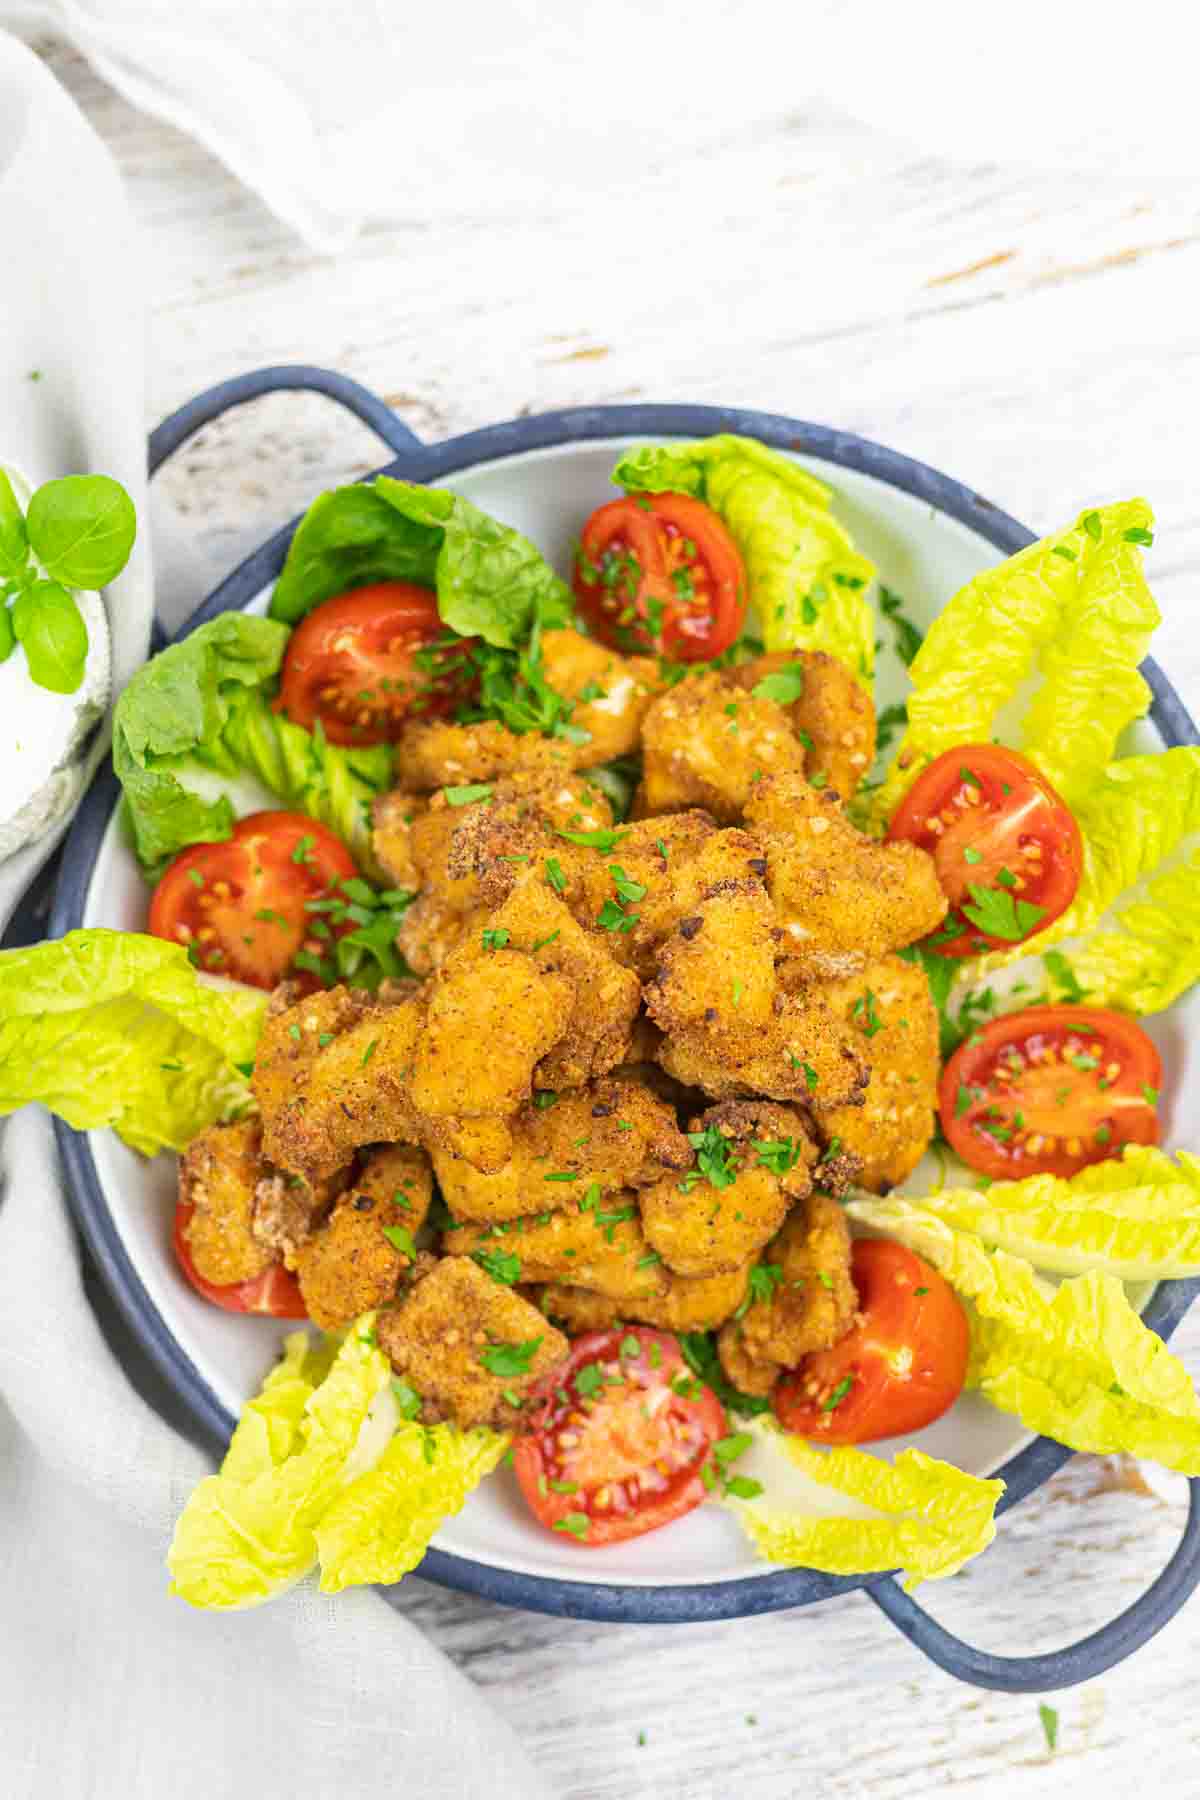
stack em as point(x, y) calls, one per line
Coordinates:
point(328, 1468)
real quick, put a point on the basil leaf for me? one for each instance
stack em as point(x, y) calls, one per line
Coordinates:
point(14, 544)
point(81, 528)
point(49, 624)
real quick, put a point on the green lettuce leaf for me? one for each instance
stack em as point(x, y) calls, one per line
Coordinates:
point(248, 1532)
point(1075, 1362)
point(1136, 1217)
point(380, 1526)
point(201, 709)
point(491, 582)
point(113, 1028)
point(1073, 608)
point(807, 581)
point(1148, 954)
point(916, 1514)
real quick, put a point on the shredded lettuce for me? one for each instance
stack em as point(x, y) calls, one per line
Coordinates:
point(1136, 1217)
point(491, 582)
point(380, 1526)
point(116, 1028)
point(248, 1532)
point(807, 581)
point(1075, 609)
point(202, 708)
point(1075, 1362)
point(916, 1514)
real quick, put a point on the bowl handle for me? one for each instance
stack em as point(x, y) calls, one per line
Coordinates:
point(1091, 1656)
point(175, 430)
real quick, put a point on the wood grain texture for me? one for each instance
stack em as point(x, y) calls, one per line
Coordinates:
point(1037, 335)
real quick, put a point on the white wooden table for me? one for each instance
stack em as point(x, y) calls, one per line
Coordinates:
point(1038, 336)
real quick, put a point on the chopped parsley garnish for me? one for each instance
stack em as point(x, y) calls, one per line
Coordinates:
point(906, 637)
point(728, 1449)
point(839, 1394)
point(777, 1154)
point(661, 847)
point(648, 1261)
point(303, 851)
point(496, 939)
point(589, 1379)
point(604, 839)
point(563, 1487)
point(1047, 1714)
point(503, 1266)
point(1083, 1060)
point(784, 686)
point(764, 1279)
point(631, 1346)
point(554, 874)
point(574, 1522)
point(1065, 551)
point(400, 1238)
point(544, 1099)
point(613, 917)
point(865, 1011)
point(562, 1175)
point(1001, 914)
point(369, 1052)
point(506, 1360)
point(1091, 524)
point(715, 1161)
point(1137, 534)
point(964, 1099)
point(407, 1398)
point(466, 796)
point(1149, 1094)
point(971, 855)
point(825, 1279)
point(626, 888)
point(197, 879)
point(544, 943)
point(919, 1291)
point(1064, 977)
point(890, 720)
point(743, 1487)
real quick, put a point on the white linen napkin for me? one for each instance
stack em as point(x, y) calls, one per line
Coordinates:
point(337, 112)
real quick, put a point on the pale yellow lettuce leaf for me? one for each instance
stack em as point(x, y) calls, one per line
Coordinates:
point(916, 1514)
point(1149, 951)
point(380, 1526)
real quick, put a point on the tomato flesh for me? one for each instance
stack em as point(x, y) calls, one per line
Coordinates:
point(661, 572)
point(368, 662)
point(1049, 1090)
point(897, 1371)
point(242, 906)
point(611, 1447)
point(1006, 846)
point(275, 1292)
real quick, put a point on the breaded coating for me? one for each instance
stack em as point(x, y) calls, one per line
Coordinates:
point(841, 899)
point(747, 1375)
point(288, 1209)
point(716, 973)
point(805, 1055)
point(597, 1244)
point(691, 1303)
point(392, 820)
point(605, 996)
point(218, 1173)
point(707, 742)
point(441, 754)
point(812, 1300)
point(703, 1226)
point(447, 1323)
point(332, 1073)
point(352, 1266)
point(611, 693)
point(832, 717)
point(615, 1134)
point(891, 1008)
point(492, 1016)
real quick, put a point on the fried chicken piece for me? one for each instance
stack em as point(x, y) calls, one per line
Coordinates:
point(812, 1300)
point(288, 1209)
point(741, 1369)
point(602, 1249)
point(332, 1074)
point(439, 1335)
point(716, 973)
point(615, 1134)
point(611, 693)
point(492, 1016)
point(691, 1303)
point(842, 899)
point(753, 1162)
point(218, 1173)
point(605, 996)
point(352, 1266)
point(392, 819)
point(439, 754)
point(832, 716)
point(707, 742)
point(889, 1005)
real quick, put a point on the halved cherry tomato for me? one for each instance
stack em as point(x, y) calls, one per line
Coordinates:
point(660, 572)
point(1007, 848)
point(276, 1291)
point(365, 663)
point(897, 1371)
point(1049, 1090)
point(241, 906)
point(612, 1447)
